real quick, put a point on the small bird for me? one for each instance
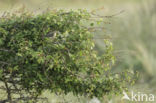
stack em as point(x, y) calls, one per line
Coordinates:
point(52, 34)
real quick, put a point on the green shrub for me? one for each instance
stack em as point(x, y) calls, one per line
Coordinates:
point(53, 51)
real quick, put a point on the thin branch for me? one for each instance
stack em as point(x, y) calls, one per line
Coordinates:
point(2, 62)
point(110, 16)
point(8, 91)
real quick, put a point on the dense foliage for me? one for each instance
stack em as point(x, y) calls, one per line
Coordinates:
point(54, 51)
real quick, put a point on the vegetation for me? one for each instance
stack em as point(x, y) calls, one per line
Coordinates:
point(132, 33)
point(54, 51)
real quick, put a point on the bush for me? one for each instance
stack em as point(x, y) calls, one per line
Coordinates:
point(53, 51)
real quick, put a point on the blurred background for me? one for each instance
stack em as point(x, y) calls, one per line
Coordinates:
point(133, 32)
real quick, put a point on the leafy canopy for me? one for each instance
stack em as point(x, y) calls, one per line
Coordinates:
point(55, 51)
